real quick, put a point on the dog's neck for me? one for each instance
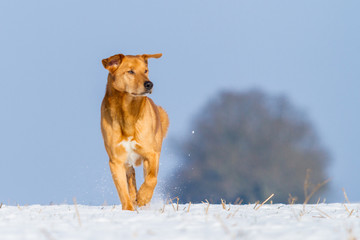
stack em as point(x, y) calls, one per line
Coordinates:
point(128, 107)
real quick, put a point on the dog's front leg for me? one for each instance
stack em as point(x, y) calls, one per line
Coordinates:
point(118, 172)
point(131, 181)
point(151, 168)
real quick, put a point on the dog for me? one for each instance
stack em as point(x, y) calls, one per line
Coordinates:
point(132, 126)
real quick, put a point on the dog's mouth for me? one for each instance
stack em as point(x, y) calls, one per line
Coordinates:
point(141, 94)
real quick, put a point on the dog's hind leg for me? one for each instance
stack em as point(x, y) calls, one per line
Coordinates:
point(118, 172)
point(131, 181)
point(151, 168)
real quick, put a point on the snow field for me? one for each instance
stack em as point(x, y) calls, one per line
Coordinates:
point(201, 221)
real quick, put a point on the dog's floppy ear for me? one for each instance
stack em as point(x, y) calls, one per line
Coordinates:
point(113, 62)
point(147, 56)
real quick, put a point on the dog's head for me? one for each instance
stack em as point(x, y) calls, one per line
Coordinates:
point(130, 73)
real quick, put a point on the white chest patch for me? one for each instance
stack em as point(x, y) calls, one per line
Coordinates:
point(130, 146)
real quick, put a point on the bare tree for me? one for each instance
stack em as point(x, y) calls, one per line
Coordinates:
point(248, 145)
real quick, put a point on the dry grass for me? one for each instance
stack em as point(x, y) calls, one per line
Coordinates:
point(323, 213)
point(309, 194)
point(188, 210)
point(233, 214)
point(238, 201)
point(223, 203)
point(256, 203)
point(77, 211)
point(292, 199)
point(346, 208)
point(177, 203)
point(207, 207)
point(264, 201)
point(1, 205)
point(345, 195)
point(166, 203)
point(163, 208)
point(347, 200)
point(172, 204)
point(314, 190)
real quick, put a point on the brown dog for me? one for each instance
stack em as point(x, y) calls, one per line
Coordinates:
point(133, 127)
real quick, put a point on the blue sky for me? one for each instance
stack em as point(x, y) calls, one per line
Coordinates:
point(52, 81)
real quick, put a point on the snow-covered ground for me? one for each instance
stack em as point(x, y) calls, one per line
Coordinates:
point(277, 221)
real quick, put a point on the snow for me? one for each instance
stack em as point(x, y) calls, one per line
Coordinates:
point(270, 221)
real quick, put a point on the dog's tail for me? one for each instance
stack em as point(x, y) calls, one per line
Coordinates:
point(164, 121)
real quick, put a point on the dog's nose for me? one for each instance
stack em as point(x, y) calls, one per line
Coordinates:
point(148, 85)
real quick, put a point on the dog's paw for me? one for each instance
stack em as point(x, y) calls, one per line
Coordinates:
point(128, 207)
point(142, 200)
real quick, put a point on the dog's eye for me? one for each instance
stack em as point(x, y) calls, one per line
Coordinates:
point(146, 71)
point(131, 72)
